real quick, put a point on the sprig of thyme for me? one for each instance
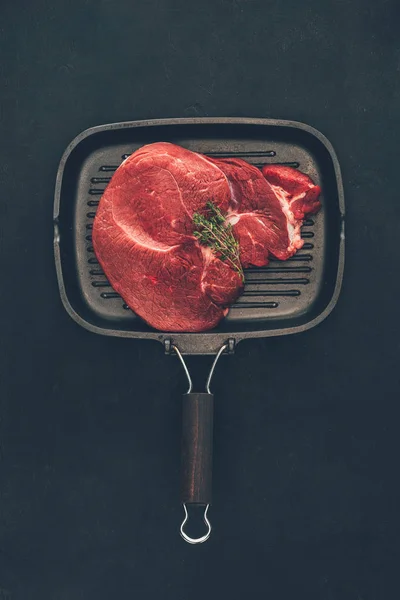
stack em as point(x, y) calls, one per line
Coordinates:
point(213, 231)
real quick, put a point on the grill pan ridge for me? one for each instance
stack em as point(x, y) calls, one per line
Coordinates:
point(282, 298)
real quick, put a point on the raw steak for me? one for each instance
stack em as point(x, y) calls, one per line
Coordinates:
point(143, 230)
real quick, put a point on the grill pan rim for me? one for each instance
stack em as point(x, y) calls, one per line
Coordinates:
point(203, 342)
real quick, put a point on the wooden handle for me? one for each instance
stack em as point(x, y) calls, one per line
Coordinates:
point(197, 446)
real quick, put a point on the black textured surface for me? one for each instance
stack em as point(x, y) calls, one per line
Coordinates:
point(306, 448)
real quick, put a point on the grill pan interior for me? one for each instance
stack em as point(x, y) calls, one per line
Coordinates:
point(284, 297)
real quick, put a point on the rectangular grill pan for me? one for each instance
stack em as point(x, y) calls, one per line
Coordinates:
point(285, 297)
point(282, 298)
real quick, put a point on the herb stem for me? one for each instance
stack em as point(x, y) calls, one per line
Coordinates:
point(212, 231)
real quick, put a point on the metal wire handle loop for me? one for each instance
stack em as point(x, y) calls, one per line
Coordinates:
point(179, 355)
point(211, 373)
point(198, 540)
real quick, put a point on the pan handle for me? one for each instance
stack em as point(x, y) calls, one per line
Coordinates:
point(197, 449)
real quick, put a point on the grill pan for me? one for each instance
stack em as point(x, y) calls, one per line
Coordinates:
point(282, 298)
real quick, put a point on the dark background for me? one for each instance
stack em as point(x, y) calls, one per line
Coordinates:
point(306, 498)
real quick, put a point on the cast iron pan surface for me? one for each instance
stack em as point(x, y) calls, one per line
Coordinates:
point(284, 297)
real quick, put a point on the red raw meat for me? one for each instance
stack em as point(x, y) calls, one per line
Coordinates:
point(143, 230)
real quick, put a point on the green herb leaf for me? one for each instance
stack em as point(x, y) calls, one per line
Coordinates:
point(214, 232)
